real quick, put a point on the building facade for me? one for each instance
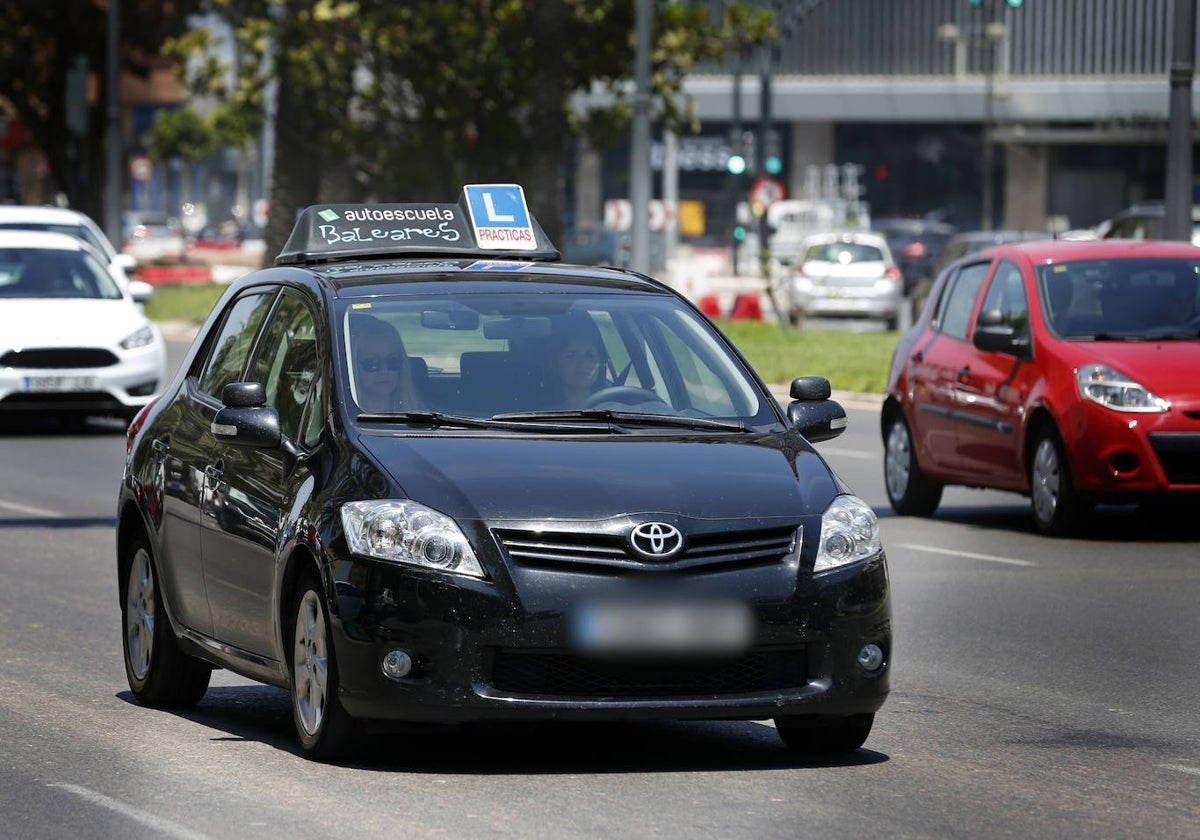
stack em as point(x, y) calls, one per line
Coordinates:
point(1064, 101)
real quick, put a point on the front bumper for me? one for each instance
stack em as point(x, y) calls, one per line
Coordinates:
point(128, 381)
point(481, 653)
point(1126, 456)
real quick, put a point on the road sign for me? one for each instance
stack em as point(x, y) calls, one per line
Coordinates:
point(766, 191)
point(141, 168)
point(618, 214)
point(500, 216)
point(662, 214)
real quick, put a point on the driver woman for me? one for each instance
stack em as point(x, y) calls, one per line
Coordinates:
point(577, 360)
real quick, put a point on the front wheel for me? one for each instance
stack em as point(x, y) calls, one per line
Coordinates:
point(159, 673)
point(816, 735)
point(323, 727)
point(1057, 508)
point(909, 491)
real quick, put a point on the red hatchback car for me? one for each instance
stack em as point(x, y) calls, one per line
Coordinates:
point(1066, 371)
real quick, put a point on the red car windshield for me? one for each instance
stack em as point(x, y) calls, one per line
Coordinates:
point(1122, 299)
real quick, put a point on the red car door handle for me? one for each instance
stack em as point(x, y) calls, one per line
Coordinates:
point(964, 375)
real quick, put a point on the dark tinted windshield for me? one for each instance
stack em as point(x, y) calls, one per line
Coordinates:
point(483, 353)
point(1121, 298)
point(49, 273)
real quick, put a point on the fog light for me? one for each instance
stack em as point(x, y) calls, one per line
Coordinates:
point(398, 664)
point(870, 658)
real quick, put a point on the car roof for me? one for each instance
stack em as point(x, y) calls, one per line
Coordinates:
point(1065, 250)
point(37, 213)
point(41, 239)
point(846, 236)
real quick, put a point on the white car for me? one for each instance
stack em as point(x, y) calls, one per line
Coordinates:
point(73, 223)
point(847, 275)
point(73, 342)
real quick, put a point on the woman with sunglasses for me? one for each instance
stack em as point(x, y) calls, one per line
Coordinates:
point(382, 371)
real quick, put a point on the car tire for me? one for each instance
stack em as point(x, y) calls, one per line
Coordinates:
point(323, 727)
point(908, 489)
point(160, 674)
point(1057, 508)
point(821, 735)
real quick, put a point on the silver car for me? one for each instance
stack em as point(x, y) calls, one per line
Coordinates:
point(847, 274)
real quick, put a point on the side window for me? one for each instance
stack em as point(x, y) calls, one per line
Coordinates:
point(286, 364)
point(232, 343)
point(1007, 294)
point(958, 300)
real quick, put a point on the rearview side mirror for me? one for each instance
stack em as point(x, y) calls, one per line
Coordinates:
point(812, 412)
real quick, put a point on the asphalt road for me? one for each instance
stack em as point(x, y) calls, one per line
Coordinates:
point(1041, 688)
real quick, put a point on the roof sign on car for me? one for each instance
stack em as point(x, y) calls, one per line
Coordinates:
point(489, 220)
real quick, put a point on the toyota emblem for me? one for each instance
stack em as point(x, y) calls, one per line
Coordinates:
point(656, 540)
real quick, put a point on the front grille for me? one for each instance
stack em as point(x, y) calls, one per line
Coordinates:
point(606, 552)
point(66, 401)
point(58, 357)
point(567, 675)
point(1179, 455)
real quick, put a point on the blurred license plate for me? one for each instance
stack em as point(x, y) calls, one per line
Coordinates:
point(678, 627)
point(47, 384)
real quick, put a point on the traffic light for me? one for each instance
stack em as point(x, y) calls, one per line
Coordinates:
point(736, 164)
point(739, 232)
point(772, 155)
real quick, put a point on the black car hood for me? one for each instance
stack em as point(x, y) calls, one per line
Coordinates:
point(524, 478)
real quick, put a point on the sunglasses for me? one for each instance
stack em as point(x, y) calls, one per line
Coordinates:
point(375, 364)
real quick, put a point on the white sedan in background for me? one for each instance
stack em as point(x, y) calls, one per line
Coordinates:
point(73, 223)
point(847, 274)
point(73, 341)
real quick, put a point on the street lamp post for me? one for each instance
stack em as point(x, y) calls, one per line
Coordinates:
point(993, 36)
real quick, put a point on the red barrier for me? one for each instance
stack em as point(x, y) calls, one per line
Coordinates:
point(157, 275)
point(746, 307)
point(710, 306)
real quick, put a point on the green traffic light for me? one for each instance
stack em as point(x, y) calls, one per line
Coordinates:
point(736, 164)
point(774, 166)
point(739, 233)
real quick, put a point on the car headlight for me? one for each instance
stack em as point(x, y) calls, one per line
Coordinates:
point(141, 338)
point(1101, 384)
point(849, 533)
point(403, 531)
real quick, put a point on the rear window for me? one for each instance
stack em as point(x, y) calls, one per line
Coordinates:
point(843, 252)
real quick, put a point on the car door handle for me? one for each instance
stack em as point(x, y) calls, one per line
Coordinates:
point(161, 446)
point(214, 473)
point(964, 375)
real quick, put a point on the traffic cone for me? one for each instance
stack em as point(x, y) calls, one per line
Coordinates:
point(710, 306)
point(746, 308)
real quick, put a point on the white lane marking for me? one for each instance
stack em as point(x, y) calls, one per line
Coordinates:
point(991, 558)
point(28, 509)
point(1181, 768)
point(159, 825)
point(844, 453)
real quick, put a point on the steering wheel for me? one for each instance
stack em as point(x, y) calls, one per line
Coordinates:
point(626, 394)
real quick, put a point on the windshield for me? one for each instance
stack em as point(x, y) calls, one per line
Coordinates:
point(1122, 298)
point(53, 273)
point(565, 356)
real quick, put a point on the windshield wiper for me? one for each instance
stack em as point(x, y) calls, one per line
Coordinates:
point(425, 418)
point(624, 417)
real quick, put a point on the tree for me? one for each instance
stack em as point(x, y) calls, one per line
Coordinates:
point(378, 100)
point(51, 48)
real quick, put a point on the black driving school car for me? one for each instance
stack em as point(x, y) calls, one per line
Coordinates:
point(421, 471)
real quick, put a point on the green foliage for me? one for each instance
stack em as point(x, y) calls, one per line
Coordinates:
point(452, 85)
